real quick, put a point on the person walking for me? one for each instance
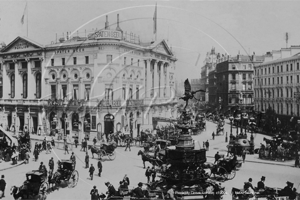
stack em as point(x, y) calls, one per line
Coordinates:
point(94, 194)
point(76, 142)
point(52, 142)
point(153, 174)
point(99, 168)
point(128, 142)
point(2, 186)
point(51, 165)
point(244, 155)
point(213, 135)
point(217, 157)
point(66, 148)
point(82, 145)
point(87, 160)
point(207, 145)
point(148, 174)
point(73, 158)
point(91, 170)
point(95, 141)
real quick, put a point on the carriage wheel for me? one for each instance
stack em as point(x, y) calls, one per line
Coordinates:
point(112, 155)
point(231, 175)
point(44, 188)
point(223, 172)
point(73, 180)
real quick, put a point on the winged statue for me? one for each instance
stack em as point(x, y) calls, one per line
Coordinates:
point(188, 93)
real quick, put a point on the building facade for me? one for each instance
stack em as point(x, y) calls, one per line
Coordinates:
point(102, 83)
point(234, 77)
point(277, 83)
point(198, 84)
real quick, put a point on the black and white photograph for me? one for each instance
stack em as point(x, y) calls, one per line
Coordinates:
point(149, 100)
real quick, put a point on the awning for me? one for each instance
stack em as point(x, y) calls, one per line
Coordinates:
point(9, 136)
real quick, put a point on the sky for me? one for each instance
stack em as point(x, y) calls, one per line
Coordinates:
point(191, 28)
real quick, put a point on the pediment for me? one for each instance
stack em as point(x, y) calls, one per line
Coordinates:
point(162, 47)
point(21, 44)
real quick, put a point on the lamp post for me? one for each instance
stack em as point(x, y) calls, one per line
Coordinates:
point(231, 119)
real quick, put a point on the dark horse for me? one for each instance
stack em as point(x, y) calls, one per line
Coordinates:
point(148, 158)
point(19, 193)
point(94, 150)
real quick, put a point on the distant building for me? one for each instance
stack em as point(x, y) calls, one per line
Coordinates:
point(196, 84)
point(277, 82)
point(209, 64)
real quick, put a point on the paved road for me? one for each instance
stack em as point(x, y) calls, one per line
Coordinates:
point(129, 163)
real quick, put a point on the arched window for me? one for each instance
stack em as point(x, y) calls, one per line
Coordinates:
point(12, 86)
point(25, 86)
point(38, 90)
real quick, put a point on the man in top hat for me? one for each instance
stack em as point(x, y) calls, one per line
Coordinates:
point(2, 186)
point(287, 190)
point(139, 191)
point(94, 194)
point(111, 190)
point(261, 184)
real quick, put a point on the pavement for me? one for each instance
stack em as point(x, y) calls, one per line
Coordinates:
point(218, 144)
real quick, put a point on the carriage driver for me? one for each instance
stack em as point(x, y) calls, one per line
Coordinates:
point(261, 184)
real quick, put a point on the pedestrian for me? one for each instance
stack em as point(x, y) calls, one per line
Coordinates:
point(94, 194)
point(91, 170)
point(51, 165)
point(73, 158)
point(99, 168)
point(36, 153)
point(95, 140)
point(207, 145)
point(297, 160)
point(76, 142)
point(128, 142)
point(126, 179)
point(66, 148)
point(87, 160)
point(2, 186)
point(153, 174)
point(217, 157)
point(244, 155)
point(82, 145)
point(52, 142)
point(27, 156)
point(213, 135)
point(148, 174)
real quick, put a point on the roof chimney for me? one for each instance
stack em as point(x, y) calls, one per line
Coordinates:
point(118, 27)
point(106, 23)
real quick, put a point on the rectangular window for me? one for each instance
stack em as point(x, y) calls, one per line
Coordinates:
point(12, 66)
point(52, 62)
point(75, 92)
point(130, 92)
point(75, 60)
point(273, 70)
point(297, 78)
point(269, 81)
point(281, 80)
point(291, 79)
point(108, 58)
point(37, 64)
point(244, 76)
point(277, 69)
point(233, 76)
point(287, 79)
point(124, 91)
point(291, 67)
point(87, 60)
point(131, 61)
point(233, 86)
point(250, 86)
point(287, 67)
point(297, 66)
point(63, 61)
point(1, 91)
point(281, 68)
point(109, 92)
point(94, 122)
point(269, 70)
point(87, 91)
point(137, 92)
point(24, 65)
point(124, 60)
point(278, 80)
point(53, 92)
point(244, 86)
point(273, 81)
point(64, 91)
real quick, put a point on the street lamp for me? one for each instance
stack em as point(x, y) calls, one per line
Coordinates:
point(231, 119)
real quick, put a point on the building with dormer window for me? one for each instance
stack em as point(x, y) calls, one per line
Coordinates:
point(84, 86)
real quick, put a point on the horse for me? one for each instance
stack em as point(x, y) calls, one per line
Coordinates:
point(147, 158)
point(94, 150)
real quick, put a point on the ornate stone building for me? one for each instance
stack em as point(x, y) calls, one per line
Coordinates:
point(101, 83)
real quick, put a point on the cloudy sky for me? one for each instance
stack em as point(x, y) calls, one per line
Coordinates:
point(190, 27)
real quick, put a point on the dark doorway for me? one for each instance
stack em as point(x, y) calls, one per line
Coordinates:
point(21, 118)
point(9, 121)
point(35, 124)
point(131, 124)
point(109, 120)
point(63, 120)
point(87, 125)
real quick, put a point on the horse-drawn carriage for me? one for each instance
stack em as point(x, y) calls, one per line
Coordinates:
point(105, 150)
point(225, 168)
point(35, 187)
point(65, 172)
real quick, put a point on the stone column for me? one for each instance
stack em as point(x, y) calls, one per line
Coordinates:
point(5, 82)
point(162, 80)
point(148, 79)
point(167, 82)
point(18, 82)
point(31, 86)
point(155, 71)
